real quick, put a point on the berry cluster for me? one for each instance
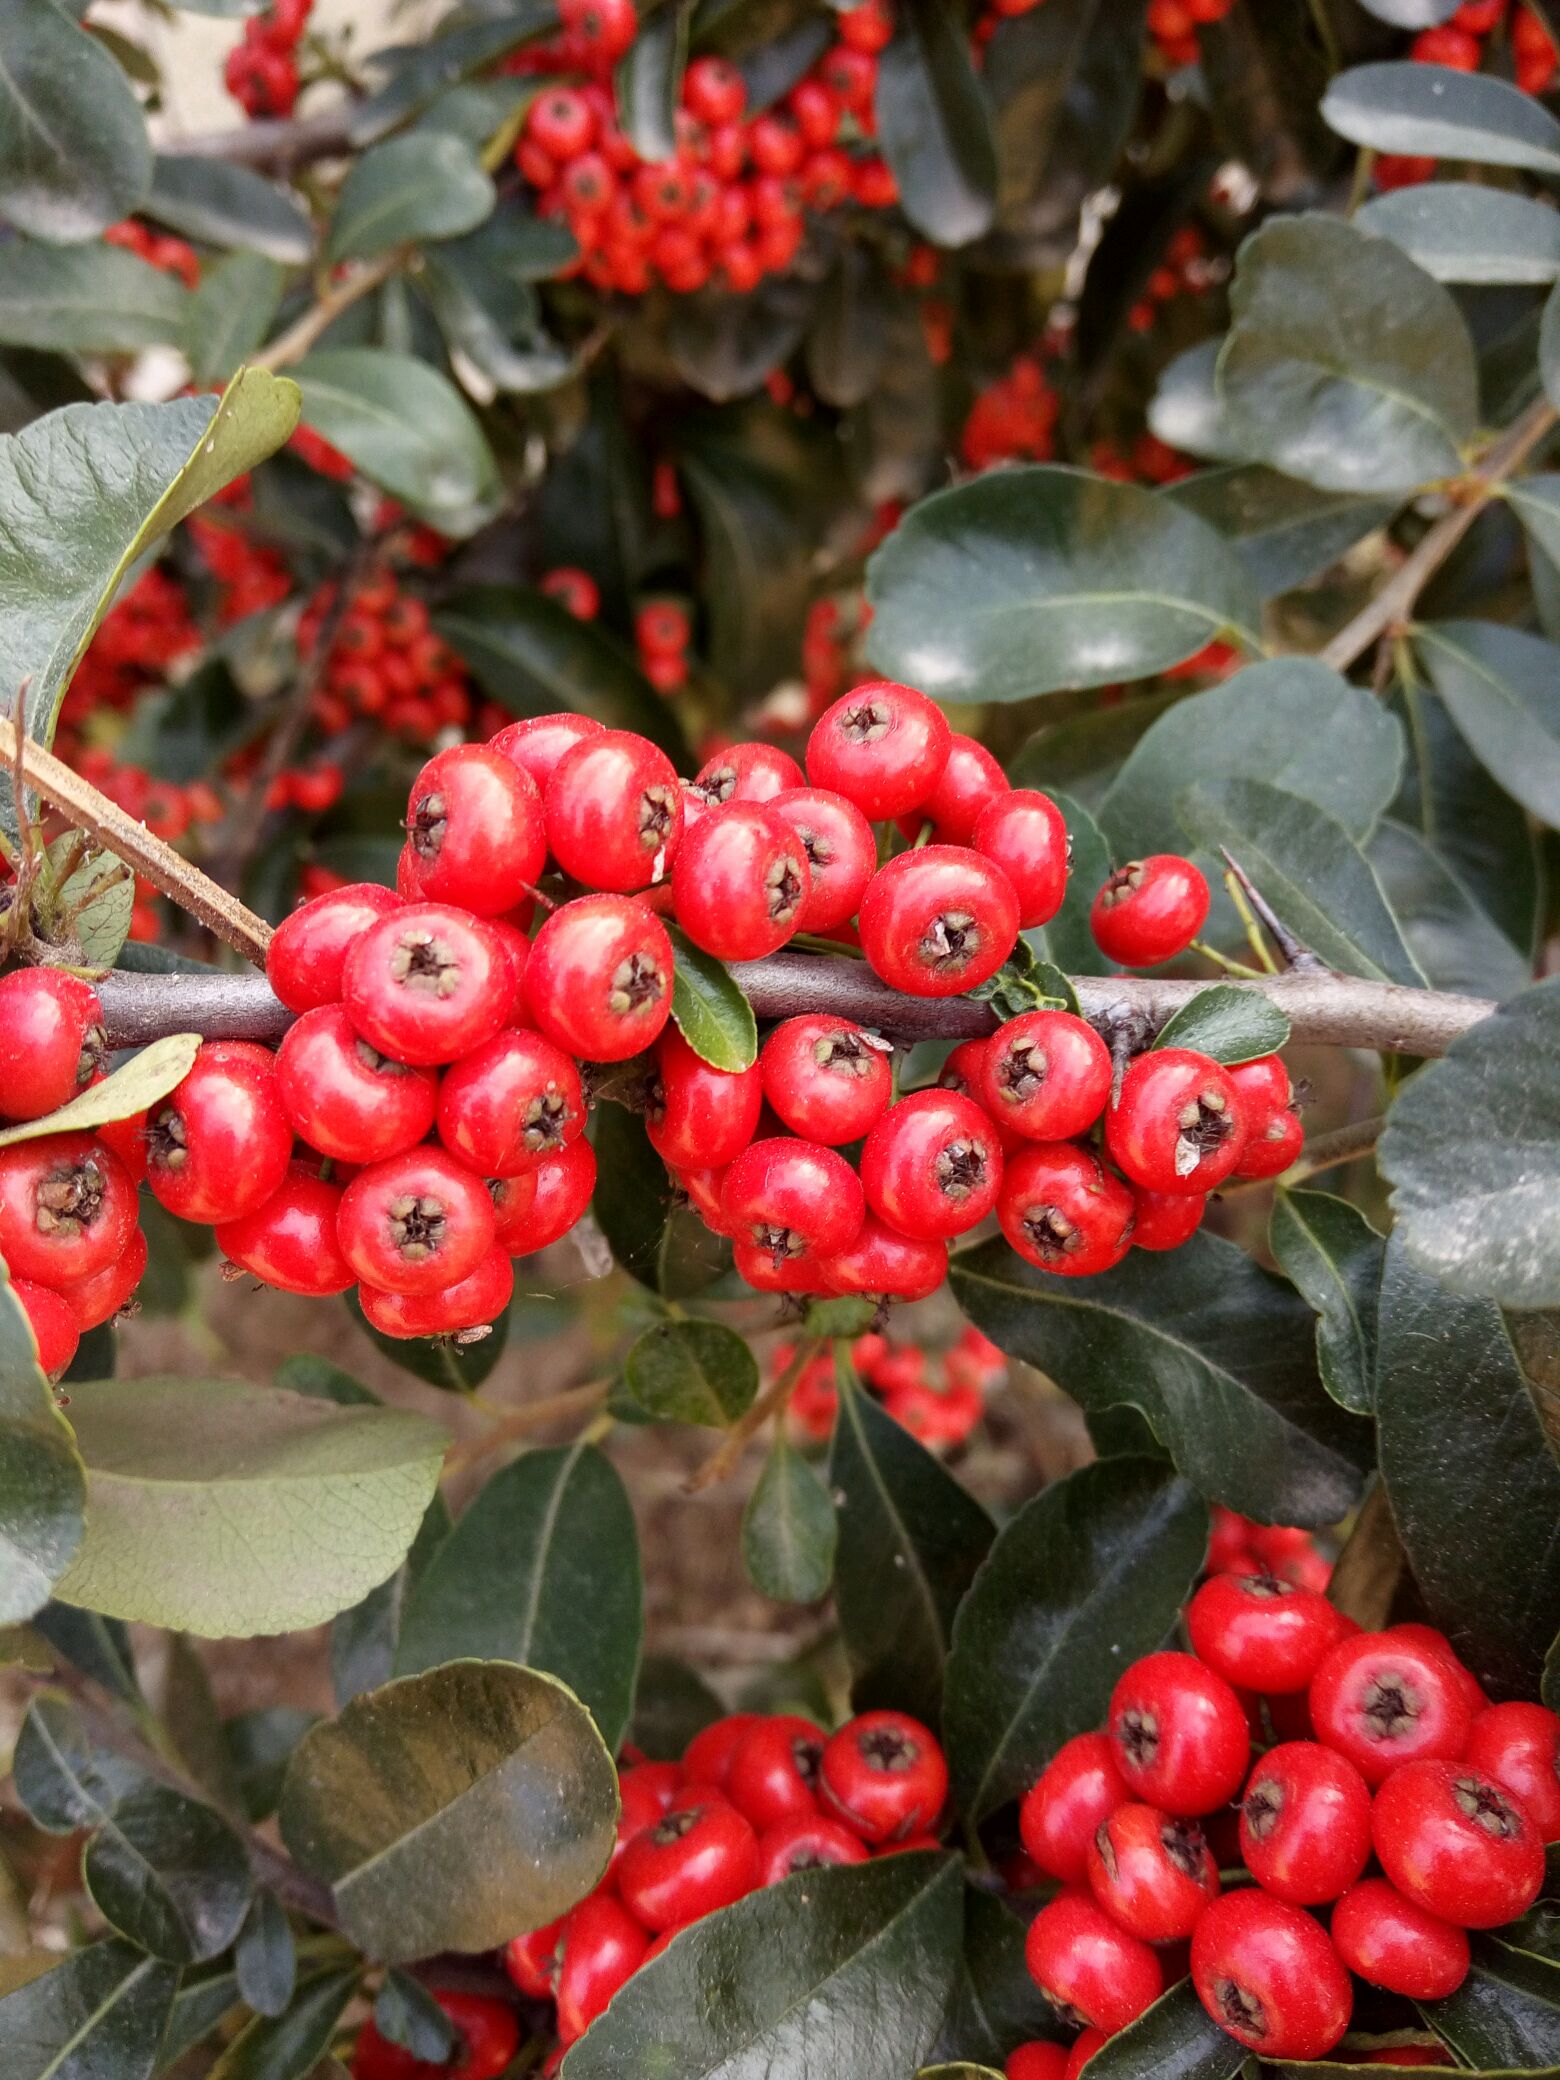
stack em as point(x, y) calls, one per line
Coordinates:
point(384, 661)
point(1391, 1796)
point(1459, 44)
point(261, 71)
point(1012, 419)
point(1185, 270)
point(663, 631)
point(938, 1403)
point(1174, 24)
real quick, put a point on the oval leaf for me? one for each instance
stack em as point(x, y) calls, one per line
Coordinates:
point(649, 80)
point(264, 1960)
point(74, 153)
point(425, 185)
point(1285, 533)
point(935, 124)
point(712, 1014)
point(169, 1874)
point(1459, 232)
point(452, 1810)
point(789, 1530)
point(1334, 1256)
point(407, 428)
point(1175, 2039)
point(692, 1372)
point(42, 1484)
point(100, 2011)
point(225, 205)
point(229, 315)
point(86, 299)
point(1437, 113)
point(290, 2046)
point(150, 1075)
point(1231, 1025)
point(1506, 2013)
point(1501, 687)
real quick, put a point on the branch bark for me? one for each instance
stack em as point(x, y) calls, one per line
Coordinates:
point(273, 142)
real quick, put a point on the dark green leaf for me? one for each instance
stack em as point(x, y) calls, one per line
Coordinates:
point(935, 125)
point(492, 324)
point(425, 185)
point(1229, 1023)
point(1475, 1493)
point(407, 428)
point(1500, 687)
point(1505, 2013)
point(452, 1810)
point(1089, 1575)
point(407, 2014)
point(289, 2046)
point(1175, 2039)
point(833, 1971)
point(74, 153)
point(99, 1647)
point(261, 1743)
point(758, 562)
point(1284, 532)
point(264, 1958)
point(1215, 1352)
point(63, 1782)
point(230, 315)
point(363, 1639)
point(205, 1998)
point(1456, 943)
point(671, 1705)
point(789, 1531)
point(227, 205)
point(86, 299)
point(848, 342)
point(1186, 410)
point(910, 1541)
point(1334, 1256)
point(169, 1874)
point(655, 1238)
point(692, 1372)
point(421, 72)
point(541, 1569)
point(996, 2004)
point(42, 1482)
point(649, 80)
point(724, 345)
point(1028, 580)
point(1345, 364)
point(97, 2015)
point(712, 1014)
point(1459, 232)
point(1433, 111)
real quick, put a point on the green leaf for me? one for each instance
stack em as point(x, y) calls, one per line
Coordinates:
point(74, 153)
point(144, 1079)
point(1475, 1492)
point(1505, 2013)
point(407, 2014)
point(910, 1541)
point(935, 124)
point(996, 2004)
point(452, 1810)
point(42, 1484)
point(649, 80)
point(724, 345)
point(101, 891)
point(1029, 580)
point(63, 1782)
point(1228, 1023)
point(264, 1959)
point(712, 1014)
point(1088, 1575)
point(205, 1998)
point(1175, 2039)
point(226, 205)
point(1186, 410)
point(758, 551)
point(491, 319)
point(421, 72)
point(222, 1508)
point(261, 1743)
point(86, 299)
point(169, 1874)
point(1334, 1257)
point(783, 1982)
point(651, 1233)
point(1345, 364)
point(425, 185)
point(849, 337)
point(229, 316)
point(1215, 1352)
point(1434, 112)
point(1500, 688)
point(692, 1372)
point(671, 1705)
point(1459, 232)
point(1284, 532)
point(542, 1569)
point(407, 428)
point(97, 2015)
point(290, 2046)
point(1456, 942)
point(789, 1532)
point(1310, 870)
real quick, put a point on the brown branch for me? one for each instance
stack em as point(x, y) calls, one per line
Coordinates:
point(727, 1455)
point(534, 1415)
point(275, 143)
point(291, 346)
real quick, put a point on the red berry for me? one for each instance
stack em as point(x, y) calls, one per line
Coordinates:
point(487, 2032)
point(1149, 910)
point(882, 746)
point(1182, 1742)
point(932, 1166)
point(474, 823)
point(882, 1261)
point(714, 91)
point(52, 1042)
point(741, 881)
point(600, 1947)
point(1260, 1632)
point(539, 742)
point(1024, 833)
point(218, 1146)
point(792, 1200)
point(1272, 1143)
point(1177, 1125)
point(1085, 2044)
point(699, 1856)
point(100, 1296)
point(415, 1223)
point(938, 922)
point(1088, 1968)
point(52, 1321)
point(805, 1843)
point(1384, 1700)
point(1447, 46)
point(1046, 1075)
point(614, 812)
point(708, 1757)
point(599, 980)
point(1392, 1942)
point(510, 1104)
point(700, 1117)
point(1164, 1220)
point(1455, 1842)
point(345, 1098)
point(290, 1241)
point(1076, 1792)
point(561, 123)
point(1037, 2060)
point(869, 26)
point(748, 773)
point(1151, 1873)
point(532, 1211)
point(884, 1774)
point(1267, 1974)
point(1062, 1211)
point(427, 984)
point(579, 594)
point(841, 854)
point(826, 1079)
point(969, 782)
point(470, 1303)
point(1305, 1823)
point(1519, 1746)
point(1438, 1645)
point(773, 1773)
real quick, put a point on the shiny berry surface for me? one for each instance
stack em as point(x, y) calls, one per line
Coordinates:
point(741, 881)
point(1177, 1125)
point(415, 1223)
point(1046, 1075)
point(1063, 1211)
point(1089, 1968)
point(1305, 1823)
point(932, 1165)
point(938, 922)
point(1268, 1975)
point(1457, 1843)
point(427, 984)
point(599, 980)
point(883, 746)
point(1393, 1942)
point(1181, 1738)
point(1149, 910)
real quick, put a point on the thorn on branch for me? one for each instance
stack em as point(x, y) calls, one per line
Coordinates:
point(1298, 957)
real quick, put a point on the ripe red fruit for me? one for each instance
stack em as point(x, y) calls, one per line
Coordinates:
point(1305, 1823)
point(290, 1241)
point(561, 123)
point(1037, 2060)
point(427, 984)
point(52, 1321)
point(1076, 1792)
point(1453, 1840)
point(741, 881)
point(1519, 1746)
point(1437, 1644)
point(792, 1200)
point(1267, 1974)
point(1274, 1135)
point(308, 950)
point(882, 1261)
point(539, 742)
point(614, 812)
point(1395, 1943)
point(600, 1947)
point(1046, 1075)
point(1260, 1632)
point(806, 1843)
point(1149, 910)
point(884, 1774)
point(841, 854)
point(971, 779)
point(345, 1098)
point(99, 1297)
point(932, 1166)
point(882, 746)
point(1177, 1125)
point(1062, 1211)
point(599, 980)
point(1085, 2044)
point(470, 1303)
point(1025, 834)
point(1151, 1873)
point(826, 1078)
point(474, 824)
point(699, 1856)
point(700, 1117)
point(1383, 1700)
point(52, 1042)
point(747, 773)
point(488, 2035)
point(773, 1772)
point(1164, 1220)
point(708, 1757)
point(537, 1209)
point(1089, 1969)
point(219, 1144)
point(510, 1104)
point(415, 1223)
point(937, 922)
point(714, 90)
point(1182, 1742)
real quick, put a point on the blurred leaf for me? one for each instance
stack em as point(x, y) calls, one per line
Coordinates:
point(264, 1959)
point(712, 1014)
point(724, 345)
point(1216, 1353)
point(671, 1705)
point(1175, 2039)
point(86, 299)
point(935, 125)
point(420, 72)
point(1265, 69)
point(848, 339)
point(452, 1810)
point(74, 153)
point(1087, 1576)
point(1411, 14)
point(206, 1997)
point(1505, 2013)
point(144, 1079)
point(99, 1647)
point(1186, 410)
point(169, 1874)
point(260, 1743)
point(42, 1482)
point(407, 2014)
point(423, 186)
point(1500, 687)
point(996, 2003)
point(1228, 1023)
point(1435, 112)
point(1459, 232)
point(1456, 943)
point(1284, 532)
point(62, 1781)
point(789, 1533)
point(492, 324)
point(407, 428)
point(230, 315)
point(290, 2045)
point(1334, 1256)
point(649, 80)
point(99, 2014)
point(652, 1234)
point(227, 205)
point(692, 1372)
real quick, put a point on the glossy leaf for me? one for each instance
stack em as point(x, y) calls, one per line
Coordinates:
point(418, 73)
point(789, 1532)
point(541, 1569)
point(99, 2014)
point(1186, 410)
point(832, 1971)
point(407, 428)
point(1086, 1577)
point(1438, 113)
point(1459, 232)
point(425, 185)
point(1501, 688)
point(1215, 1352)
point(1228, 1023)
point(1334, 1256)
point(1456, 943)
point(692, 1372)
point(169, 1874)
point(1345, 364)
point(218, 1507)
point(996, 2004)
point(492, 321)
point(229, 205)
point(144, 1079)
point(1284, 532)
point(657, 1239)
point(910, 1540)
point(86, 299)
point(264, 1959)
point(1028, 580)
point(42, 1483)
point(934, 122)
point(1175, 2039)
point(63, 1781)
point(452, 1810)
point(74, 153)
point(1505, 2013)
point(206, 1997)
point(712, 1014)
point(649, 80)
point(407, 2014)
point(230, 315)
point(289, 2046)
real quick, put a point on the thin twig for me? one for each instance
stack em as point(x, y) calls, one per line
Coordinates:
point(520, 1422)
point(276, 142)
point(295, 342)
point(724, 1460)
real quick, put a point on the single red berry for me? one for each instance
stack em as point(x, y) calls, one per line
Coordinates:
point(219, 1144)
point(539, 743)
point(474, 823)
point(883, 1262)
point(538, 1208)
point(1267, 1974)
point(1447, 45)
point(1391, 1941)
point(938, 922)
point(1076, 1792)
point(826, 1078)
point(415, 1223)
point(748, 773)
point(1260, 1632)
point(510, 1104)
point(344, 1097)
point(577, 592)
point(699, 1856)
point(599, 980)
point(932, 1166)
point(1046, 1075)
point(816, 111)
point(841, 854)
point(1182, 1742)
point(869, 26)
point(1165, 1220)
point(600, 1947)
point(884, 1775)
point(1062, 1211)
point(1305, 1823)
point(290, 1241)
point(1458, 1844)
point(1519, 1746)
point(427, 984)
point(561, 123)
point(969, 782)
point(52, 1322)
point(1263, 1084)
point(1273, 1141)
point(741, 881)
point(1152, 1873)
point(773, 1773)
point(98, 1297)
point(471, 1302)
point(1177, 1125)
point(1090, 1970)
point(699, 1117)
point(1384, 1700)
point(1437, 1644)
point(52, 1042)
point(1149, 910)
point(792, 1201)
point(714, 90)
point(1037, 2060)
point(614, 812)
point(708, 1757)
point(487, 2037)
point(882, 746)
point(806, 1843)
point(1024, 833)
point(645, 1792)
